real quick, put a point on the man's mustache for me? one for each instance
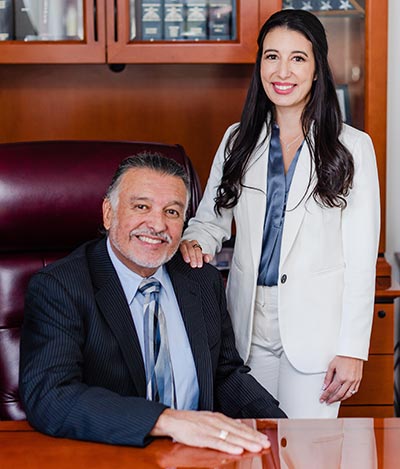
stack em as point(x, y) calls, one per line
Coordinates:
point(164, 236)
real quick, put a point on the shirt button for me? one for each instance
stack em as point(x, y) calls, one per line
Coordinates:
point(283, 278)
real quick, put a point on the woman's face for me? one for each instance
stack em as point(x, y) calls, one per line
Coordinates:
point(287, 68)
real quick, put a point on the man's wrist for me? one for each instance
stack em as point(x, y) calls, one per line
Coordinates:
point(163, 423)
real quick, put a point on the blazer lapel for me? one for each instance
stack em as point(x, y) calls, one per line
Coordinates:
point(296, 205)
point(189, 300)
point(112, 304)
point(254, 200)
point(256, 172)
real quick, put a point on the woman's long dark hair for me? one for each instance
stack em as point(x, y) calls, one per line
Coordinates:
point(334, 164)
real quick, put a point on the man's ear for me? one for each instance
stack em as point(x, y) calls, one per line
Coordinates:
point(107, 213)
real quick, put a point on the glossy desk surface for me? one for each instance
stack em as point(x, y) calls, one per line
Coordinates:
point(320, 444)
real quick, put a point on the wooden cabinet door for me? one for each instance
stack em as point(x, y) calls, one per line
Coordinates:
point(91, 49)
point(121, 49)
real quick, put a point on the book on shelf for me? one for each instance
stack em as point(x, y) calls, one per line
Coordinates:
point(191, 20)
point(173, 19)
point(196, 16)
point(151, 20)
point(51, 20)
point(48, 20)
point(6, 20)
point(221, 20)
point(234, 21)
point(26, 25)
point(134, 26)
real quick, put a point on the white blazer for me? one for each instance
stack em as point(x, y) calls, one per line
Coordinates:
point(328, 255)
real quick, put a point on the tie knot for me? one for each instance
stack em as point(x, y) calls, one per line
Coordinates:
point(149, 285)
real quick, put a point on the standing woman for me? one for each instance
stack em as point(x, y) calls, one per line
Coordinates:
point(302, 189)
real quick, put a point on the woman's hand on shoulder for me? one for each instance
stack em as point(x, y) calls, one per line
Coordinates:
point(192, 253)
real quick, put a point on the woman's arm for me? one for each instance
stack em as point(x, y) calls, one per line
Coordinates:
point(360, 237)
point(207, 230)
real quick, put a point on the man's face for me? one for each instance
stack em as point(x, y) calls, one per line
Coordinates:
point(145, 228)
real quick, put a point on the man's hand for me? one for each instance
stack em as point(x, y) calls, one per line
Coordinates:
point(209, 430)
point(192, 253)
point(342, 379)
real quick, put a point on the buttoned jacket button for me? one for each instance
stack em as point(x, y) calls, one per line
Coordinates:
point(283, 278)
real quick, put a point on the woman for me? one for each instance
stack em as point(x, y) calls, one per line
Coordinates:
point(302, 189)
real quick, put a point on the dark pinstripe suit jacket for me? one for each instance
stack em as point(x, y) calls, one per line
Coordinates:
point(82, 374)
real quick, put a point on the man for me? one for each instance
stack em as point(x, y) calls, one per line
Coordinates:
point(92, 343)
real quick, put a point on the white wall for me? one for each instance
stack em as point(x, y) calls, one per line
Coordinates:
point(393, 135)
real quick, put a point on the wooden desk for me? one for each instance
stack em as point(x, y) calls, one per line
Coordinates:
point(320, 444)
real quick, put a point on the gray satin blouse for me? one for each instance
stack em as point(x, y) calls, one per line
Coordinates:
point(278, 186)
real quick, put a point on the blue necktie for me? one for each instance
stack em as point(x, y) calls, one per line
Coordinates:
point(160, 384)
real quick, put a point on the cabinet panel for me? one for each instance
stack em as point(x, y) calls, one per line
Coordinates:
point(120, 48)
point(382, 337)
point(377, 384)
point(377, 411)
point(90, 50)
point(115, 17)
point(178, 103)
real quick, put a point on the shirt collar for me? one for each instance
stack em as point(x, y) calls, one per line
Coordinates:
point(129, 279)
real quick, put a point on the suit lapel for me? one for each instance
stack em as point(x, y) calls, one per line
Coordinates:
point(296, 205)
point(112, 303)
point(254, 200)
point(189, 300)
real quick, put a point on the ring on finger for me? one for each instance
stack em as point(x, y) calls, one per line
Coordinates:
point(353, 391)
point(194, 246)
point(223, 435)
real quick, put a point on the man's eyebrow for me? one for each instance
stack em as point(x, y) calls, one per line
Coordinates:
point(135, 198)
point(177, 202)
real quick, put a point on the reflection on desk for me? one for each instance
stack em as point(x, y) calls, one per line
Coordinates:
point(312, 444)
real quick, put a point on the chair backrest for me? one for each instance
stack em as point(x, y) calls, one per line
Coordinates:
point(50, 202)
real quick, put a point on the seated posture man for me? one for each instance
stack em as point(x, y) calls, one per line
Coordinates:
point(123, 341)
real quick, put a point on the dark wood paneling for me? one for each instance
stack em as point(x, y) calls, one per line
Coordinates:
point(187, 104)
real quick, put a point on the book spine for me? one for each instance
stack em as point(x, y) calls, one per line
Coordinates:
point(134, 24)
point(26, 25)
point(151, 20)
point(234, 21)
point(173, 19)
point(220, 20)
point(196, 12)
point(6, 20)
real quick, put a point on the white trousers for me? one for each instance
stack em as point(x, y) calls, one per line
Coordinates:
point(297, 392)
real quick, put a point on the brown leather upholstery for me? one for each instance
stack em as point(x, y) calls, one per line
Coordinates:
point(50, 202)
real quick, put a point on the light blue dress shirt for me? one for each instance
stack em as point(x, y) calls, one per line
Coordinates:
point(186, 384)
point(278, 186)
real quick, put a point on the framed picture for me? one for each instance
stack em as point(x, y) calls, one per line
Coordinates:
point(342, 92)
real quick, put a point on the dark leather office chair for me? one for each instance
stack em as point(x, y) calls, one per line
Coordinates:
point(50, 202)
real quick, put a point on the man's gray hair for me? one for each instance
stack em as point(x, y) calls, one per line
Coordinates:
point(146, 160)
